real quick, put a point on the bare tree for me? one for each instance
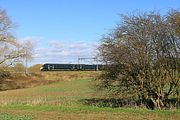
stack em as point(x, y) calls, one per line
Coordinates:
point(9, 47)
point(143, 58)
point(174, 19)
point(27, 48)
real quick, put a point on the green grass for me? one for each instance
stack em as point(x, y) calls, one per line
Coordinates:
point(84, 109)
point(62, 101)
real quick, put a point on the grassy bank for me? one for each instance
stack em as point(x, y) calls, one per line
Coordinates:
point(18, 80)
point(62, 100)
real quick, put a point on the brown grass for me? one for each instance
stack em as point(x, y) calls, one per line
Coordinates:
point(20, 80)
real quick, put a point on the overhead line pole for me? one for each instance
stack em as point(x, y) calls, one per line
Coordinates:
point(94, 58)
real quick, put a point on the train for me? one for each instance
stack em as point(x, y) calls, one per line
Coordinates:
point(71, 67)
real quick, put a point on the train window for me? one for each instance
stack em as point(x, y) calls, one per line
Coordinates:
point(50, 67)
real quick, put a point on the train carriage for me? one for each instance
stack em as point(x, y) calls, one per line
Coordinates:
point(70, 67)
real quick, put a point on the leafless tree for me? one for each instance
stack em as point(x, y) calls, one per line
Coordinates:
point(143, 59)
point(10, 49)
point(27, 49)
point(174, 19)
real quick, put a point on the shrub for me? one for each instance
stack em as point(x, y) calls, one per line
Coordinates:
point(4, 74)
point(143, 58)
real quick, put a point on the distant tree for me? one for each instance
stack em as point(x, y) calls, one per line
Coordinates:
point(143, 58)
point(35, 68)
point(27, 48)
point(19, 67)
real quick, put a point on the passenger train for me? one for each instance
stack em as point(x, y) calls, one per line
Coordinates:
point(71, 67)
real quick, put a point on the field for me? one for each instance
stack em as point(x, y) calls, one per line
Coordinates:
point(62, 101)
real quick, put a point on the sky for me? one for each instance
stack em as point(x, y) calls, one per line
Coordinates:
point(63, 30)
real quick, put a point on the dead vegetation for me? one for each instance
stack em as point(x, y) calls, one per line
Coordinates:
point(20, 80)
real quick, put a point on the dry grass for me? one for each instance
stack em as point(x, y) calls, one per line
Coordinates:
point(69, 75)
point(20, 80)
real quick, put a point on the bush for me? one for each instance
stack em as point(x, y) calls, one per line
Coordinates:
point(4, 74)
point(143, 59)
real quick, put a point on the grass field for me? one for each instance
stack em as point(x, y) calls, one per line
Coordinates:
point(62, 100)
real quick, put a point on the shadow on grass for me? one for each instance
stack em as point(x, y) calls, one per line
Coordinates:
point(116, 103)
point(111, 102)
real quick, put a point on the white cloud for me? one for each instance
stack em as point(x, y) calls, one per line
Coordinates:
point(64, 52)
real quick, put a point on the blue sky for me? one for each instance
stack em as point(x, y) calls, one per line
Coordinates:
point(66, 29)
